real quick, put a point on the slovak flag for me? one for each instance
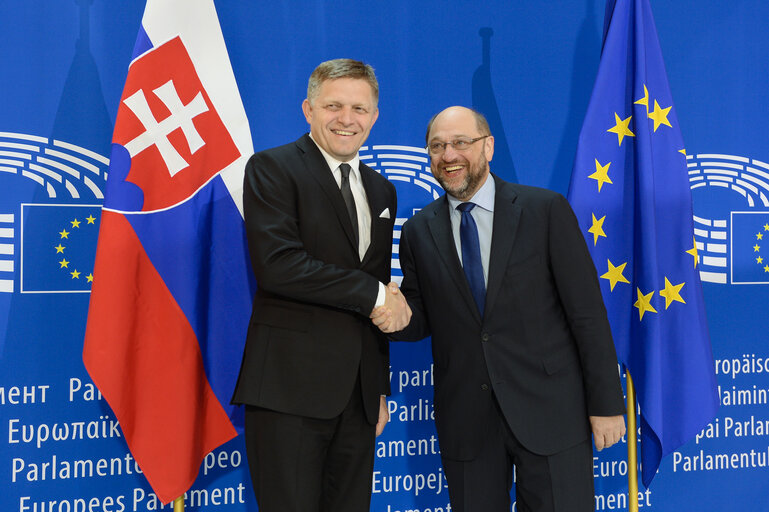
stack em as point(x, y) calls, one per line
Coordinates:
point(172, 286)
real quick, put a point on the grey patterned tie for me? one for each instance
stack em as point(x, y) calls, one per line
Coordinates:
point(349, 200)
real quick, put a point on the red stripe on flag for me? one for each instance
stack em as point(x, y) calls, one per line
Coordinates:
point(142, 354)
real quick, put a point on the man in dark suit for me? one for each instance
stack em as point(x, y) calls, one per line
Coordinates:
point(500, 276)
point(315, 370)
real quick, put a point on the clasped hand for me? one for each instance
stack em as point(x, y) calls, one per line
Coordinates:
point(395, 314)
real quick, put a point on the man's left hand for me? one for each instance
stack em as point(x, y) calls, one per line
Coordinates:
point(384, 415)
point(607, 430)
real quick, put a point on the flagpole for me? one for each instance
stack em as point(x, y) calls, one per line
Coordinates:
point(179, 504)
point(632, 447)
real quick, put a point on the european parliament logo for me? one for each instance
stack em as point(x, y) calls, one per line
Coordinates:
point(732, 243)
point(408, 168)
point(48, 246)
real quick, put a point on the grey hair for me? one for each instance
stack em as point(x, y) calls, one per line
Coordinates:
point(341, 68)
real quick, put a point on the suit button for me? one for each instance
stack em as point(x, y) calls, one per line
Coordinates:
point(485, 336)
point(485, 387)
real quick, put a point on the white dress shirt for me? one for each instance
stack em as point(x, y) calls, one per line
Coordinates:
point(361, 205)
point(483, 214)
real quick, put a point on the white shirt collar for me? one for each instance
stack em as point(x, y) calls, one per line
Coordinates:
point(484, 197)
point(333, 163)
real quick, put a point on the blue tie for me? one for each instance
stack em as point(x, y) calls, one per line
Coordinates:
point(471, 255)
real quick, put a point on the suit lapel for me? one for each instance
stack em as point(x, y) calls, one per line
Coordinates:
point(507, 216)
point(318, 169)
point(440, 229)
point(376, 205)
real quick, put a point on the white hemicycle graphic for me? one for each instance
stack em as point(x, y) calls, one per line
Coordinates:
point(745, 176)
point(7, 252)
point(402, 164)
point(64, 171)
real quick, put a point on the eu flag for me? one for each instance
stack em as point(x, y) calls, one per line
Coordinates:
point(630, 191)
point(750, 246)
point(58, 246)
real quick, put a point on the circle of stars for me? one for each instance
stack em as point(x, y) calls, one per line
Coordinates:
point(615, 273)
point(64, 235)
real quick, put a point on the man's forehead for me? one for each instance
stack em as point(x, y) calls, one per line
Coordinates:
point(454, 123)
point(453, 131)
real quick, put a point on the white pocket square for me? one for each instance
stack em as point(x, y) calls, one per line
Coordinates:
point(385, 214)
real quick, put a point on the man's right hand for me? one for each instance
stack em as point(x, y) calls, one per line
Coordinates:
point(395, 314)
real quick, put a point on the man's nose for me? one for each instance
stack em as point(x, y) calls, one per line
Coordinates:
point(345, 116)
point(449, 153)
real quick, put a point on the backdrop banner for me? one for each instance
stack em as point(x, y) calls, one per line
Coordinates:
point(530, 67)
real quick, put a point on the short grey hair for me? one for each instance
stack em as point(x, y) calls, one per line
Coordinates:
point(480, 123)
point(341, 68)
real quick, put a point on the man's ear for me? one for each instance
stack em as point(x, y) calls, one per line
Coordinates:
point(307, 109)
point(489, 142)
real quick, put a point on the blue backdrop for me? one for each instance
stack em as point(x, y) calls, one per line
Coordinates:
point(529, 66)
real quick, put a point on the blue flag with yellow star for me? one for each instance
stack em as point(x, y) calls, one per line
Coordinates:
point(630, 192)
point(58, 247)
point(750, 245)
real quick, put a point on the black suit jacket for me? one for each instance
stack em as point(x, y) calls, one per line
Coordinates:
point(543, 345)
point(310, 335)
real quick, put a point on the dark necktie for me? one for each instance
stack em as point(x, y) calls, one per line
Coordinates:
point(349, 200)
point(471, 255)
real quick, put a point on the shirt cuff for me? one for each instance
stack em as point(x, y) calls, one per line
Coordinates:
point(380, 296)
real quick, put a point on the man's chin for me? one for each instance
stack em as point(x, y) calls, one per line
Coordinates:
point(456, 191)
point(345, 152)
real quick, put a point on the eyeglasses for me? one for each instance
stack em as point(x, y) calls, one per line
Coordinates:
point(437, 148)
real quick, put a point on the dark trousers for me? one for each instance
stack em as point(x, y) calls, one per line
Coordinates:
point(562, 482)
point(301, 464)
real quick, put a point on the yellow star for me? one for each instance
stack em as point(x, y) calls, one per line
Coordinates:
point(64, 233)
point(75, 274)
point(89, 278)
point(693, 252)
point(759, 236)
point(597, 228)
point(759, 260)
point(59, 249)
point(659, 115)
point(644, 304)
point(63, 263)
point(672, 293)
point(766, 227)
point(75, 223)
point(756, 248)
point(614, 274)
point(91, 219)
point(645, 100)
point(682, 151)
point(766, 268)
point(621, 128)
point(601, 174)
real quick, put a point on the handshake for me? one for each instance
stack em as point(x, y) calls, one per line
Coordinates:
point(394, 314)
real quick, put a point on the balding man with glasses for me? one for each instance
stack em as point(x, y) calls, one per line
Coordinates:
point(525, 368)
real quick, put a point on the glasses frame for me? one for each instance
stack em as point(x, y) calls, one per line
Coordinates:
point(453, 145)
